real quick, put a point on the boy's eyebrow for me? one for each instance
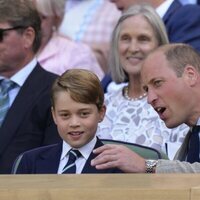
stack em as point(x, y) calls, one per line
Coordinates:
point(85, 109)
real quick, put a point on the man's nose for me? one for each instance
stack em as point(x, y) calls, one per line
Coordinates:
point(151, 96)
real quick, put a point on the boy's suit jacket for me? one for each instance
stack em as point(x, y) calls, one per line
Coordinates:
point(45, 160)
point(28, 123)
point(183, 24)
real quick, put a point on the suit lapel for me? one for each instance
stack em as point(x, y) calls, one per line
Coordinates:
point(88, 169)
point(172, 9)
point(49, 162)
point(27, 95)
point(182, 152)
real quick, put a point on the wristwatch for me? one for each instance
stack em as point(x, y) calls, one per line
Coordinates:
point(150, 165)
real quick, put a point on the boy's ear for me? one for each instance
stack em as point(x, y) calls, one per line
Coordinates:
point(191, 75)
point(102, 113)
point(53, 115)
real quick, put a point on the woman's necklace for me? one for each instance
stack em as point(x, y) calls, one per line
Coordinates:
point(133, 99)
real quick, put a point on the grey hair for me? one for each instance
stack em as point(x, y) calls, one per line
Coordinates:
point(115, 66)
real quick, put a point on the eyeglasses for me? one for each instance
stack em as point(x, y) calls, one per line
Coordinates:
point(8, 29)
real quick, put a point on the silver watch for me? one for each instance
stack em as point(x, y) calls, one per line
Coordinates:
point(150, 165)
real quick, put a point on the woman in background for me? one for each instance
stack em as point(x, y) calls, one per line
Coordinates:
point(57, 52)
point(129, 117)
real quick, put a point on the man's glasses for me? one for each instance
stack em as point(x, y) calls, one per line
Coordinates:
point(8, 29)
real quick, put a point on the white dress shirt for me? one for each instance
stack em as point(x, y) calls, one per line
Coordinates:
point(162, 9)
point(80, 162)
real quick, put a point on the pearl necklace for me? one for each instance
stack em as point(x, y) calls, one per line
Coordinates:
point(133, 99)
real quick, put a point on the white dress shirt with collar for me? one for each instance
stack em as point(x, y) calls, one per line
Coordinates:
point(162, 8)
point(80, 162)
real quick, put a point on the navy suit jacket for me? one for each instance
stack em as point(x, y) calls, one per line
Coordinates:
point(45, 160)
point(28, 123)
point(182, 24)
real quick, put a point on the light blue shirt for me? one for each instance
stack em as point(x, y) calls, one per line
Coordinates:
point(19, 78)
point(188, 1)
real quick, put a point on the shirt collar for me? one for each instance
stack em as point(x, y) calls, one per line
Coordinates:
point(20, 77)
point(198, 122)
point(162, 9)
point(85, 150)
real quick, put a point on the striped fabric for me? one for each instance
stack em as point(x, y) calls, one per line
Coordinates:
point(5, 86)
point(70, 167)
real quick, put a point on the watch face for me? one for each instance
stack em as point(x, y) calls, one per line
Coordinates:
point(150, 165)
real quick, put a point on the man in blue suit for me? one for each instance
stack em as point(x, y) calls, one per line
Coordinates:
point(77, 108)
point(27, 123)
point(189, 2)
point(182, 21)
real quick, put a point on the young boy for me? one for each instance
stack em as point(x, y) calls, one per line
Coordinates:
point(77, 108)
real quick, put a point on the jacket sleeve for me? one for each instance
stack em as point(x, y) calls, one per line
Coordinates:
point(175, 166)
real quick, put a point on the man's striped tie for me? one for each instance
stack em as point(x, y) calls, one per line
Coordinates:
point(193, 145)
point(5, 86)
point(70, 167)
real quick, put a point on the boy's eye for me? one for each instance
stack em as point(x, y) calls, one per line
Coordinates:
point(84, 114)
point(64, 115)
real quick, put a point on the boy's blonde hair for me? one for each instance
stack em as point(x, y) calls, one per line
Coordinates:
point(82, 85)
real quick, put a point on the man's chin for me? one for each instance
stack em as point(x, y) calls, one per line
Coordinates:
point(170, 124)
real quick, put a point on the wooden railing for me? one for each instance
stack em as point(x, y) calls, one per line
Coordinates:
point(100, 187)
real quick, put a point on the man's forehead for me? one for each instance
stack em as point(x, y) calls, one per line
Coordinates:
point(152, 65)
point(153, 59)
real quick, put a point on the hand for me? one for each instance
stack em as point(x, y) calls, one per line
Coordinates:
point(111, 156)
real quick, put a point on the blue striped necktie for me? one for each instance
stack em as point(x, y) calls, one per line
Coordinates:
point(193, 145)
point(5, 86)
point(70, 167)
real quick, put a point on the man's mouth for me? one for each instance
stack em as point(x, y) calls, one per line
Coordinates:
point(160, 111)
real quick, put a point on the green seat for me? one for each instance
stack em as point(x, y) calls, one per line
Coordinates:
point(145, 152)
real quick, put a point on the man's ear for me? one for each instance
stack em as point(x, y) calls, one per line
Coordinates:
point(29, 37)
point(191, 75)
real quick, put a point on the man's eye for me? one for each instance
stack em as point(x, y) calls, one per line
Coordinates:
point(157, 83)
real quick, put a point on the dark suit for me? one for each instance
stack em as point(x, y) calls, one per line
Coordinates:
point(45, 160)
point(28, 123)
point(182, 24)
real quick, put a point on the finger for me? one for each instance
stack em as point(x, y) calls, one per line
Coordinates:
point(107, 165)
point(102, 159)
point(102, 149)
